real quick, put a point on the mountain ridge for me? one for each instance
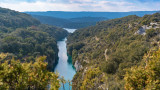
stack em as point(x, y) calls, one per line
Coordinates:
point(69, 23)
point(109, 15)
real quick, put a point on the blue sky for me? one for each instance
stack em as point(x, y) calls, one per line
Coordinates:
point(81, 5)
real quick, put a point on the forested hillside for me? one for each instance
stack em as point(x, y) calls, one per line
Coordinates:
point(14, 19)
point(77, 20)
point(25, 38)
point(103, 53)
point(74, 23)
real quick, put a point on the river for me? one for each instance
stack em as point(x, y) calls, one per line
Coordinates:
point(64, 66)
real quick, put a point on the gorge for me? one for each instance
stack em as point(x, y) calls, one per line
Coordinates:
point(64, 66)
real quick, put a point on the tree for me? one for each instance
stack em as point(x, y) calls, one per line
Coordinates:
point(70, 84)
point(145, 76)
point(63, 81)
point(92, 79)
point(33, 75)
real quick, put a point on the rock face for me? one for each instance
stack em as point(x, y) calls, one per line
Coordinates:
point(78, 66)
point(142, 29)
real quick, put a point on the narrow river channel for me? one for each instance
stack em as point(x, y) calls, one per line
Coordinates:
point(64, 66)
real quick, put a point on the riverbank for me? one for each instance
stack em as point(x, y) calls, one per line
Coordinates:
point(64, 67)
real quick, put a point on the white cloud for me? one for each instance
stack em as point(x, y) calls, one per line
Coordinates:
point(82, 5)
point(51, 0)
point(81, 1)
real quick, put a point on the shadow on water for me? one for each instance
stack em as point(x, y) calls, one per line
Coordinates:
point(70, 61)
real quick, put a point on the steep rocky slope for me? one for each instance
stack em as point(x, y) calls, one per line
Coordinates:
point(103, 53)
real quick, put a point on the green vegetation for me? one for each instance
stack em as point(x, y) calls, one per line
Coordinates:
point(63, 81)
point(145, 76)
point(15, 75)
point(70, 84)
point(14, 19)
point(113, 46)
point(92, 78)
point(103, 54)
point(75, 23)
point(31, 52)
point(24, 38)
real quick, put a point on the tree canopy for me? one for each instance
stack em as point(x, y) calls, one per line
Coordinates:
point(27, 75)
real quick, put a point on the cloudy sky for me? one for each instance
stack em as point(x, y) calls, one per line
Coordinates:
point(81, 5)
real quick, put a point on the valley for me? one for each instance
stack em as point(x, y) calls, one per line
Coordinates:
point(64, 66)
point(79, 50)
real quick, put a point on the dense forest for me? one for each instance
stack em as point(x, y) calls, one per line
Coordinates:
point(28, 51)
point(102, 54)
point(25, 38)
point(74, 23)
point(117, 54)
point(15, 75)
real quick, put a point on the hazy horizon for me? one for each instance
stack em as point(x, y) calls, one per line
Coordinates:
point(81, 5)
point(88, 11)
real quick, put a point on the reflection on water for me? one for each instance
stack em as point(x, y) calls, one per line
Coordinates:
point(70, 30)
point(64, 66)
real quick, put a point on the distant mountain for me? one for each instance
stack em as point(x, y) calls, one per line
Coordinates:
point(80, 22)
point(109, 15)
point(60, 22)
point(88, 19)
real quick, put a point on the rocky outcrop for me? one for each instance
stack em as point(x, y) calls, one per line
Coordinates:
point(78, 65)
point(143, 28)
point(105, 54)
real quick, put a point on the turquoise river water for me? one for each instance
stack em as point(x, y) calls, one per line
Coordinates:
point(64, 66)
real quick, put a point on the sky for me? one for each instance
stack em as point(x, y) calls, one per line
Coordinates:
point(81, 5)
